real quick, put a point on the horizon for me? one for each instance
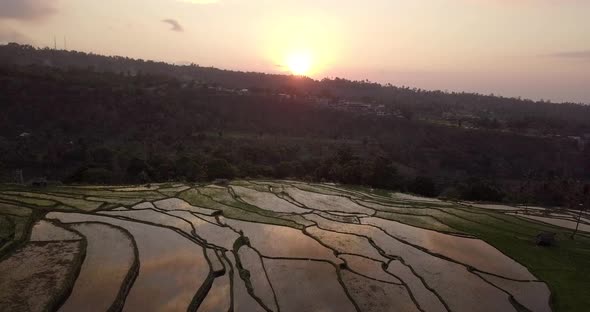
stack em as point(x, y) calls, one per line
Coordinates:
point(382, 84)
point(484, 47)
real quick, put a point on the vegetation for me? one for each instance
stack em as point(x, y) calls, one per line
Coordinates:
point(112, 120)
point(564, 267)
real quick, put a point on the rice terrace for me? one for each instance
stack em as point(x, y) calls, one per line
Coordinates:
point(282, 246)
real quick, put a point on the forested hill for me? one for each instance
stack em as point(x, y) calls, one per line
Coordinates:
point(475, 110)
point(76, 123)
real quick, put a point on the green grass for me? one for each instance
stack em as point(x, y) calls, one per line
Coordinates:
point(13, 231)
point(6, 230)
point(565, 267)
point(78, 203)
point(10, 209)
point(254, 186)
point(425, 222)
point(28, 200)
point(232, 208)
point(172, 191)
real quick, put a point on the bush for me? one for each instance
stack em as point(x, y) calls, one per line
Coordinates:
point(103, 155)
point(481, 190)
point(219, 169)
point(96, 175)
point(189, 169)
point(450, 193)
point(382, 174)
point(423, 186)
point(285, 169)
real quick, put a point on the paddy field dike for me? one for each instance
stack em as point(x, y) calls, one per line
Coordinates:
point(285, 246)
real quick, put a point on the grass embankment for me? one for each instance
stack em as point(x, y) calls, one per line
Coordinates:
point(564, 267)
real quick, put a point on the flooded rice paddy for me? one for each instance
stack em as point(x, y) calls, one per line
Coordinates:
point(252, 246)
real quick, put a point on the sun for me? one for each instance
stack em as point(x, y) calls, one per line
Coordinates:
point(299, 63)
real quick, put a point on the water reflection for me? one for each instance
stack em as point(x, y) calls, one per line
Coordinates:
point(307, 286)
point(281, 241)
point(109, 257)
point(172, 268)
point(473, 252)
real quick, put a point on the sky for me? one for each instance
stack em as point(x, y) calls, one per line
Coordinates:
point(537, 49)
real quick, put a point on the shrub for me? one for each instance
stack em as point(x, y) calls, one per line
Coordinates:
point(423, 186)
point(219, 169)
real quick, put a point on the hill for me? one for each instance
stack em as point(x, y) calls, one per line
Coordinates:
point(79, 117)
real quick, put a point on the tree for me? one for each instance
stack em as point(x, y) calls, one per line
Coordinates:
point(96, 175)
point(578, 197)
point(189, 169)
point(383, 174)
point(476, 189)
point(423, 186)
point(103, 155)
point(219, 169)
point(284, 169)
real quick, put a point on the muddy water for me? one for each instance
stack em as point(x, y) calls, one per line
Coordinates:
point(33, 276)
point(219, 297)
point(346, 243)
point(252, 263)
point(425, 298)
point(44, 231)
point(460, 289)
point(327, 202)
point(307, 286)
point(281, 241)
point(375, 296)
point(473, 252)
point(175, 264)
point(145, 205)
point(369, 268)
point(213, 234)
point(179, 204)
point(109, 257)
point(535, 296)
point(337, 216)
point(267, 201)
point(154, 217)
point(243, 301)
point(217, 266)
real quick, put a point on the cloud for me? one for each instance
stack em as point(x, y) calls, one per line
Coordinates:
point(174, 23)
point(584, 54)
point(8, 35)
point(26, 9)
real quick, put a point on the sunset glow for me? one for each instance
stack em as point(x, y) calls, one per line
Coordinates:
point(432, 44)
point(300, 63)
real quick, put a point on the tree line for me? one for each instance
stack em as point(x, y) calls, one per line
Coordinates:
point(82, 125)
